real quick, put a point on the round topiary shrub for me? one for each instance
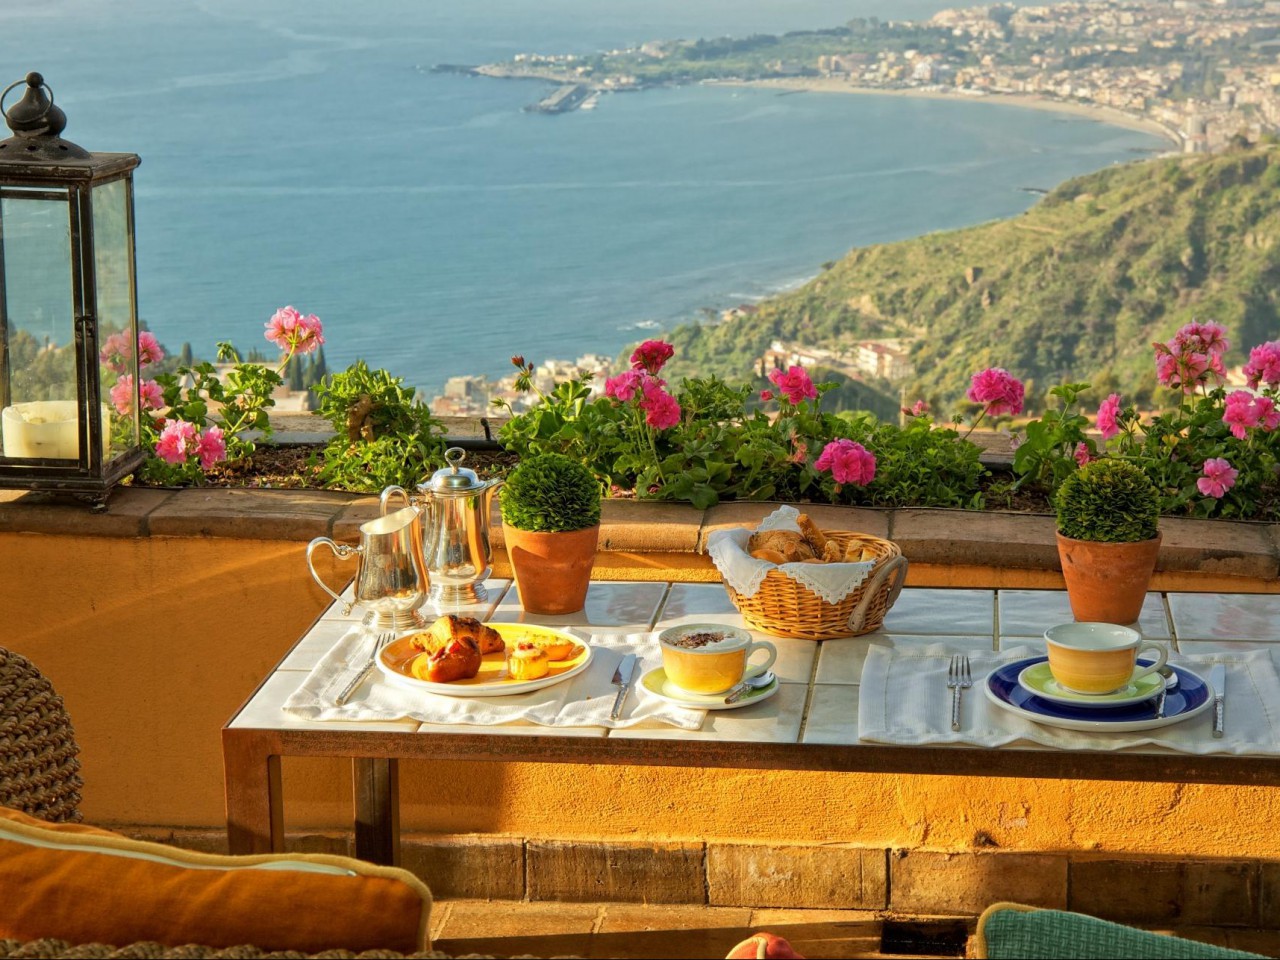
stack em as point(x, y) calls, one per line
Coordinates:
point(550, 493)
point(1108, 501)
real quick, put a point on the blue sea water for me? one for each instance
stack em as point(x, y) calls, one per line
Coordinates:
point(300, 151)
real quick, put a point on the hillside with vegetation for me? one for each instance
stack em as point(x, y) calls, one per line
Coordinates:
point(1077, 288)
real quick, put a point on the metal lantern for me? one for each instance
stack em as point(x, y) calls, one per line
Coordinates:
point(69, 349)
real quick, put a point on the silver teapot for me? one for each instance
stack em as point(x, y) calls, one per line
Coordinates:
point(454, 505)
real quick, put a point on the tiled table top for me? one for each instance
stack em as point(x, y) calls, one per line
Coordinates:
point(818, 701)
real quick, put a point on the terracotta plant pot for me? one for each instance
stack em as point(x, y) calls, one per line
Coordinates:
point(1107, 582)
point(552, 570)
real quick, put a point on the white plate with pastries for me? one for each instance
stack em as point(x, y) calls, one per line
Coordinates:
point(462, 657)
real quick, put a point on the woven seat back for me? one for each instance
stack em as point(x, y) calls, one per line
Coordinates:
point(39, 765)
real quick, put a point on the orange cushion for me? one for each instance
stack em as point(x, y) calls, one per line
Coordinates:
point(83, 885)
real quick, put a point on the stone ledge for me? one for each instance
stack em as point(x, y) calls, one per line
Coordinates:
point(648, 535)
point(1132, 888)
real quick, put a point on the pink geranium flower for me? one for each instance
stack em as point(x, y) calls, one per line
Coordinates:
point(1108, 411)
point(177, 441)
point(116, 351)
point(661, 411)
point(1268, 415)
point(149, 349)
point(292, 332)
point(1240, 413)
point(998, 390)
point(211, 447)
point(1205, 338)
point(848, 461)
point(766, 396)
point(122, 395)
point(1082, 454)
point(1219, 477)
point(1264, 365)
point(624, 386)
point(794, 384)
point(651, 355)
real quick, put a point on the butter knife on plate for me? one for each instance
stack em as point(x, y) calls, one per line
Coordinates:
point(622, 678)
point(1218, 679)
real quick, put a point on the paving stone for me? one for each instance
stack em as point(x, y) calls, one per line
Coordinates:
point(823, 933)
point(126, 515)
point(646, 930)
point(482, 867)
point(643, 527)
point(796, 875)
point(1217, 892)
point(1221, 548)
point(603, 871)
point(956, 884)
point(249, 514)
point(980, 539)
point(498, 928)
point(726, 516)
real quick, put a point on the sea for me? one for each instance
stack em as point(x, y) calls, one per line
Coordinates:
point(303, 152)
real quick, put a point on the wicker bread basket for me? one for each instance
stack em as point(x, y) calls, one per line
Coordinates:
point(785, 608)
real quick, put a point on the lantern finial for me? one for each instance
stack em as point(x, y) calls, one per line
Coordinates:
point(38, 124)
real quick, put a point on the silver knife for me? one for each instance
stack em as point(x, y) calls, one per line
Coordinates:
point(622, 678)
point(1218, 678)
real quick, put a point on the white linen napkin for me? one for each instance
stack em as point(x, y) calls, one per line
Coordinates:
point(830, 581)
point(584, 700)
point(904, 699)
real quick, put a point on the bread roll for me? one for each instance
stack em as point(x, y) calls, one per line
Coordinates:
point(812, 535)
point(773, 556)
point(457, 660)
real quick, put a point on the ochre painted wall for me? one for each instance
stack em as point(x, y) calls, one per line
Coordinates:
point(155, 642)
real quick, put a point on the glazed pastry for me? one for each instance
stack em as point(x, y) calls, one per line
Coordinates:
point(456, 660)
point(453, 627)
point(556, 648)
point(527, 662)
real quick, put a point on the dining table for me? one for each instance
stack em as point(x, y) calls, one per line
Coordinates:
point(879, 703)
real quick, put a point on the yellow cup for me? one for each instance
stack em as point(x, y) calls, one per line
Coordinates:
point(709, 658)
point(1098, 657)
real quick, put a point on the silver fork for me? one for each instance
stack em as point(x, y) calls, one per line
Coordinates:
point(382, 640)
point(958, 678)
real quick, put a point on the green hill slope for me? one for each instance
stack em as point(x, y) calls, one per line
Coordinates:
point(1076, 288)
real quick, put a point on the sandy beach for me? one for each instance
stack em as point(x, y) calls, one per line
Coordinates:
point(1118, 118)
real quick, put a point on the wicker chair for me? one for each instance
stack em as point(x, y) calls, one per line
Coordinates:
point(40, 776)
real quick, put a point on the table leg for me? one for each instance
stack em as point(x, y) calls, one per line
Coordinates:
point(377, 796)
point(255, 814)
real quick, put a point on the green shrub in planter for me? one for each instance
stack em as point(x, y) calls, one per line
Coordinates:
point(1108, 501)
point(551, 493)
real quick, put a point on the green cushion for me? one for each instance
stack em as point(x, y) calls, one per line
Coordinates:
point(1019, 934)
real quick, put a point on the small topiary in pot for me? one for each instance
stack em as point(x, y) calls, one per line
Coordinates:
point(1108, 539)
point(551, 524)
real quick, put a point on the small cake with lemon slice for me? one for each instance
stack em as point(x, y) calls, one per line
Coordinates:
point(555, 647)
point(528, 662)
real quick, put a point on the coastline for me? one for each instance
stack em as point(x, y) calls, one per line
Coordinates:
point(1102, 114)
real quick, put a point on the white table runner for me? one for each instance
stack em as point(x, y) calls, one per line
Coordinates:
point(581, 701)
point(904, 699)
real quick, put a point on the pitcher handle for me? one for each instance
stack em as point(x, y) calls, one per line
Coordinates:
point(390, 492)
point(342, 551)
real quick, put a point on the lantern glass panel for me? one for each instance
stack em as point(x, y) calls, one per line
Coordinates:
point(121, 369)
point(41, 415)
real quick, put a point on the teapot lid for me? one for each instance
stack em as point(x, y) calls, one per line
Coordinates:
point(454, 478)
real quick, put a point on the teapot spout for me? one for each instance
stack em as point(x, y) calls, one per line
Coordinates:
point(490, 488)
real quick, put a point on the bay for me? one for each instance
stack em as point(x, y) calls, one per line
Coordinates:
point(301, 151)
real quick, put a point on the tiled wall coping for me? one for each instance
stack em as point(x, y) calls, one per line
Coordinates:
point(649, 533)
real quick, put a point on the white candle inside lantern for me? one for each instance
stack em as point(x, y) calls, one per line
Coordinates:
point(42, 428)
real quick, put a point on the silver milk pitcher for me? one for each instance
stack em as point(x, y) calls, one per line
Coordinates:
point(455, 506)
point(390, 580)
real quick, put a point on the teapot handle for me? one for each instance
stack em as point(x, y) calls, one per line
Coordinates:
point(342, 551)
point(390, 492)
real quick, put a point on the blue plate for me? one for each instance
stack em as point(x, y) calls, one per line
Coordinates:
point(1190, 697)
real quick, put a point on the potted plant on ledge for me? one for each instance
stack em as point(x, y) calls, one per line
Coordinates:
point(551, 524)
point(1108, 539)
